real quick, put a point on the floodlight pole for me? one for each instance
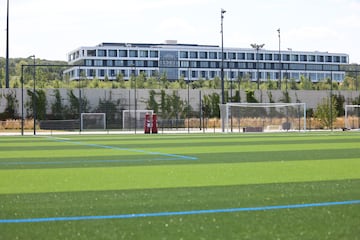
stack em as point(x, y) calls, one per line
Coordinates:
point(279, 59)
point(257, 47)
point(34, 92)
point(331, 102)
point(7, 85)
point(22, 100)
point(222, 65)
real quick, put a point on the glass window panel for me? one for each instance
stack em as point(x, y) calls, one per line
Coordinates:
point(212, 55)
point(193, 55)
point(133, 53)
point(203, 55)
point(123, 53)
point(241, 56)
point(101, 53)
point(154, 54)
point(112, 53)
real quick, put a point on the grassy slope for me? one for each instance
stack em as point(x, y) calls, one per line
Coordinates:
point(231, 161)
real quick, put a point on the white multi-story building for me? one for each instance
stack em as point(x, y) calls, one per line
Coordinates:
point(193, 62)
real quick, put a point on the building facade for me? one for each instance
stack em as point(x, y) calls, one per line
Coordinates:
point(193, 62)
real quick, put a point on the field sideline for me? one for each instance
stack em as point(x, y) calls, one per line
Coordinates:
point(185, 186)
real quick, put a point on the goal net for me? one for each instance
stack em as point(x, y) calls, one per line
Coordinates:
point(135, 119)
point(93, 121)
point(352, 116)
point(263, 117)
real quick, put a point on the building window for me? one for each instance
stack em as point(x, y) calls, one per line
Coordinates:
point(123, 53)
point(204, 74)
point(343, 59)
point(336, 59)
point(303, 58)
point(140, 63)
point(101, 72)
point(320, 58)
point(242, 65)
point(112, 53)
point(133, 53)
point(311, 58)
point(212, 55)
point(98, 63)
point(214, 65)
point(204, 64)
point(112, 73)
point(91, 53)
point(88, 62)
point(268, 57)
point(241, 56)
point(286, 57)
point(251, 65)
point(119, 63)
point(328, 58)
point(154, 54)
point(203, 55)
point(144, 53)
point(184, 54)
point(193, 55)
point(295, 58)
point(193, 64)
point(91, 72)
point(277, 57)
point(232, 55)
point(250, 56)
point(101, 53)
point(109, 63)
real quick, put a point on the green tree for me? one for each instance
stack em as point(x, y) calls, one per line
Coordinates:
point(11, 106)
point(40, 100)
point(326, 112)
point(305, 83)
point(151, 103)
point(57, 107)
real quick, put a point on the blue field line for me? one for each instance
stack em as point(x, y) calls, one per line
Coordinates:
point(90, 161)
point(124, 149)
point(166, 214)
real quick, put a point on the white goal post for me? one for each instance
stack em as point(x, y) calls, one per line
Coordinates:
point(93, 121)
point(352, 116)
point(135, 119)
point(263, 117)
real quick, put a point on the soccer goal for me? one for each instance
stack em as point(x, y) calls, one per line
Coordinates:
point(135, 119)
point(93, 121)
point(352, 116)
point(263, 117)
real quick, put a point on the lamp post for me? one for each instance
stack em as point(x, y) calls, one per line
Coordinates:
point(188, 99)
point(22, 100)
point(135, 97)
point(222, 67)
point(279, 59)
point(34, 93)
point(257, 47)
point(7, 47)
point(222, 57)
point(331, 102)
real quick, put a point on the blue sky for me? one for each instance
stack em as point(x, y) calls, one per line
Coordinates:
point(51, 29)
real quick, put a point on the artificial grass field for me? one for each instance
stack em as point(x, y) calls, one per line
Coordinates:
point(190, 186)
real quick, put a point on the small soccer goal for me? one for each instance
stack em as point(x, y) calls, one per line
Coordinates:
point(263, 117)
point(135, 119)
point(93, 121)
point(352, 116)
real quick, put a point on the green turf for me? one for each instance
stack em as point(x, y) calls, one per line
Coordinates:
point(122, 174)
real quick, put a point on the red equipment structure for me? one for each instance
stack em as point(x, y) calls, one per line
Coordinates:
point(147, 124)
point(154, 128)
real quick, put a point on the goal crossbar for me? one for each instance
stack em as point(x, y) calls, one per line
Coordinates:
point(226, 113)
point(98, 121)
point(347, 107)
